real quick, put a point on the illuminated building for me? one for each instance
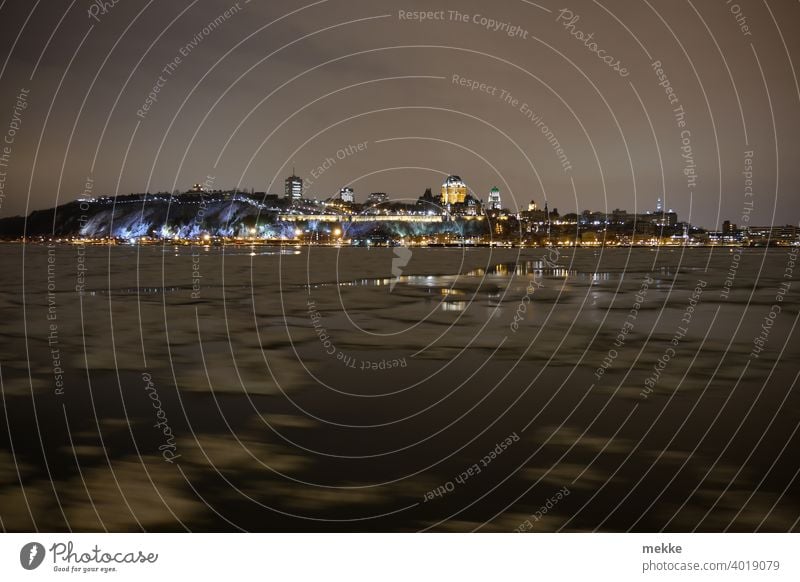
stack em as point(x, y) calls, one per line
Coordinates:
point(294, 187)
point(662, 218)
point(494, 199)
point(377, 198)
point(454, 191)
point(532, 206)
point(471, 206)
point(773, 235)
point(347, 194)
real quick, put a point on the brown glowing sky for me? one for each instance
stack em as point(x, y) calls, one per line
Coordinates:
point(282, 84)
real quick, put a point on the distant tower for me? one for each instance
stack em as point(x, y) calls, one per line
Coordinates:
point(532, 206)
point(294, 187)
point(347, 194)
point(494, 199)
point(454, 191)
point(659, 206)
point(547, 220)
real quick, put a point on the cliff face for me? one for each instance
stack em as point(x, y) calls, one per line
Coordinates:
point(163, 220)
point(135, 218)
point(189, 217)
point(59, 221)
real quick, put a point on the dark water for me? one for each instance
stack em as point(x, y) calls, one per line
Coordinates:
point(311, 390)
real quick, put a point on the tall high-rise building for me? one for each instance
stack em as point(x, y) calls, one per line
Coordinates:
point(454, 191)
point(294, 187)
point(347, 194)
point(494, 199)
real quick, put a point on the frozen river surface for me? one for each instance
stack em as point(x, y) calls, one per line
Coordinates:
point(322, 389)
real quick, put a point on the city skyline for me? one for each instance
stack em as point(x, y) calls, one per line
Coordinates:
point(253, 216)
point(398, 100)
point(299, 189)
point(294, 188)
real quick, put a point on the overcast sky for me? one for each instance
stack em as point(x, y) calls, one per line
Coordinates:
point(246, 91)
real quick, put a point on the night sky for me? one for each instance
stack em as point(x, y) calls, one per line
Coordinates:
point(247, 91)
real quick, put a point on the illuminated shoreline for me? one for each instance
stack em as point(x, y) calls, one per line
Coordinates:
point(300, 243)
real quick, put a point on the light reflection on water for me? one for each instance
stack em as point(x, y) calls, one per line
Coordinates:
point(500, 271)
point(534, 267)
point(252, 251)
point(475, 276)
point(205, 405)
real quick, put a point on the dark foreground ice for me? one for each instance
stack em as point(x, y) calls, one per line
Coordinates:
point(311, 389)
